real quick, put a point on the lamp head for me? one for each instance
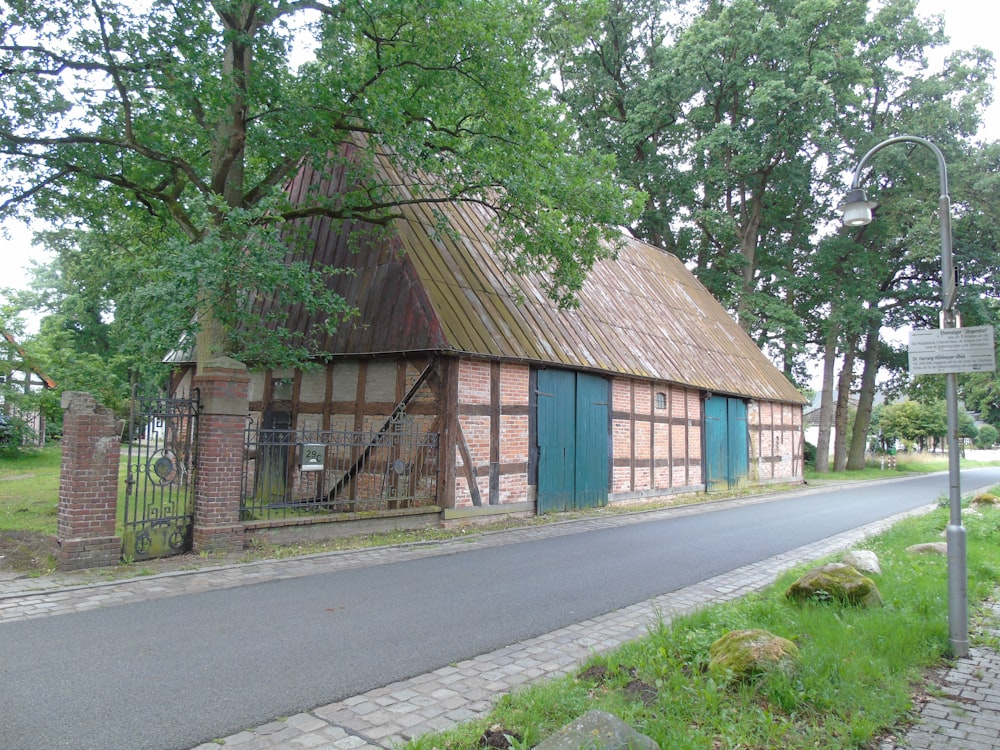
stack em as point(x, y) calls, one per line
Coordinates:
point(857, 209)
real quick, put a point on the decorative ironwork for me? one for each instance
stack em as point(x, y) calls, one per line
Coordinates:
point(332, 471)
point(159, 493)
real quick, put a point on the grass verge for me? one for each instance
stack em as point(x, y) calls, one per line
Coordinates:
point(854, 683)
point(29, 490)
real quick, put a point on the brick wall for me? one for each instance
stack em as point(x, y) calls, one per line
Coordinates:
point(775, 441)
point(88, 485)
point(218, 482)
point(656, 438)
point(493, 446)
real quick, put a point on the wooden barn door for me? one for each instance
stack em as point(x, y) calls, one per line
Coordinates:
point(572, 440)
point(727, 451)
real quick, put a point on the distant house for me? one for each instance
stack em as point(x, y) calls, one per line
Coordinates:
point(21, 376)
point(647, 389)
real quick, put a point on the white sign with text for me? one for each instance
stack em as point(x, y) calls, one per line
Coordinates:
point(942, 350)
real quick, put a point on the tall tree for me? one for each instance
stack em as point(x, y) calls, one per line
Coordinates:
point(719, 118)
point(889, 274)
point(189, 115)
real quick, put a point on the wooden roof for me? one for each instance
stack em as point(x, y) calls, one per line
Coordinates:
point(420, 289)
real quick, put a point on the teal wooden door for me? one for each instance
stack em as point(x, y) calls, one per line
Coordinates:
point(727, 452)
point(716, 444)
point(592, 455)
point(572, 440)
point(556, 440)
point(738, 442)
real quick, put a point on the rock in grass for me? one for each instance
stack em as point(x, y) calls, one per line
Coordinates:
point(928, 548)
point(836, 582)
point(742, 654)
point(862, 560)
point(597, 730)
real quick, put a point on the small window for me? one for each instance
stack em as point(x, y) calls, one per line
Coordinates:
point(281, 389)
point(661, 400)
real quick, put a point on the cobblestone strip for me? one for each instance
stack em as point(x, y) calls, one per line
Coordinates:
point(966, 713)
point(392, 715)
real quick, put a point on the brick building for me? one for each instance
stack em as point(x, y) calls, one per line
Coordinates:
point(647, 388)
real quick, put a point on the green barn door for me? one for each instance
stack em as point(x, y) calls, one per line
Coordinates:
point(572, 439)
point(716, 460)
point(738, 442)
point(556, 440)
point(727, 453)
point(592, 456)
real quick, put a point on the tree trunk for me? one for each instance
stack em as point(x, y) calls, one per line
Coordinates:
point(210, 342)
point(749, 237)
point(842, 415)
point(826, 401)
point(228, 157)
point(863, 417)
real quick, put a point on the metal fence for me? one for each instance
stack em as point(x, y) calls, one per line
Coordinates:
point(288, 472)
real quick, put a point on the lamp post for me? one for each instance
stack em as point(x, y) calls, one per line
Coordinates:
point(857, 212)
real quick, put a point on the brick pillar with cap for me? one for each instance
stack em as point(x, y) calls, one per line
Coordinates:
point(223, 386)
point(88, 485)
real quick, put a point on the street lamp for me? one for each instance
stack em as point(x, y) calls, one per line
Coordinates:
point(857, 210)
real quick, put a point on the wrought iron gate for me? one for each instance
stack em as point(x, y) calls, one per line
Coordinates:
point(159, 487)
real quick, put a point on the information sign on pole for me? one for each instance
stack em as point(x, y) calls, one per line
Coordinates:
point(937, 351)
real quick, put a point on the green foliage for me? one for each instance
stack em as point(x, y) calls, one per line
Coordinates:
point(161, 137)
point(809, 454)
point(740, 119)
point(987, 436)
point(911, 421)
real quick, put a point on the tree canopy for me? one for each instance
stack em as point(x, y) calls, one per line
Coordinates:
point(161, 134)
point(157, 138)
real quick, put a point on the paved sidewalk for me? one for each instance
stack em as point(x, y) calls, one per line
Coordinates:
point(966, 713)
point(966, 717)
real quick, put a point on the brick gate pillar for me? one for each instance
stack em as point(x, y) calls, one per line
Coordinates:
point(88, 485)
point(223, 386)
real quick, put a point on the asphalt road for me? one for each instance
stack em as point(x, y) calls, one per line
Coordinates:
point(171, 673)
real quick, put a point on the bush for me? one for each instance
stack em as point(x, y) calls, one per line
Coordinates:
point(809, 454)
point(987, 436)
point(15, 434)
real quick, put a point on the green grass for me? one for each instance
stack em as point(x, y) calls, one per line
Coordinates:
point(29, 490)
point(854, 682)
point(906, 463)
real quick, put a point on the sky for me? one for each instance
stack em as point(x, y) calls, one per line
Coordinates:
point(969, 23)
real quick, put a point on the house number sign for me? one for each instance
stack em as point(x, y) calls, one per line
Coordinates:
point(312, 456)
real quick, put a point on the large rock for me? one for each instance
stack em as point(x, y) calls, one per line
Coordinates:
point(597, 730)
point(836, 582)
point(862, 560)
point(745, 653)
point(929, 548)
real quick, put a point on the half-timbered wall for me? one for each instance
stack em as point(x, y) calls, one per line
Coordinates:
point(347, 396)
point(775, 441)
point(656, 437)
point(483, 411)
point(492, 440)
